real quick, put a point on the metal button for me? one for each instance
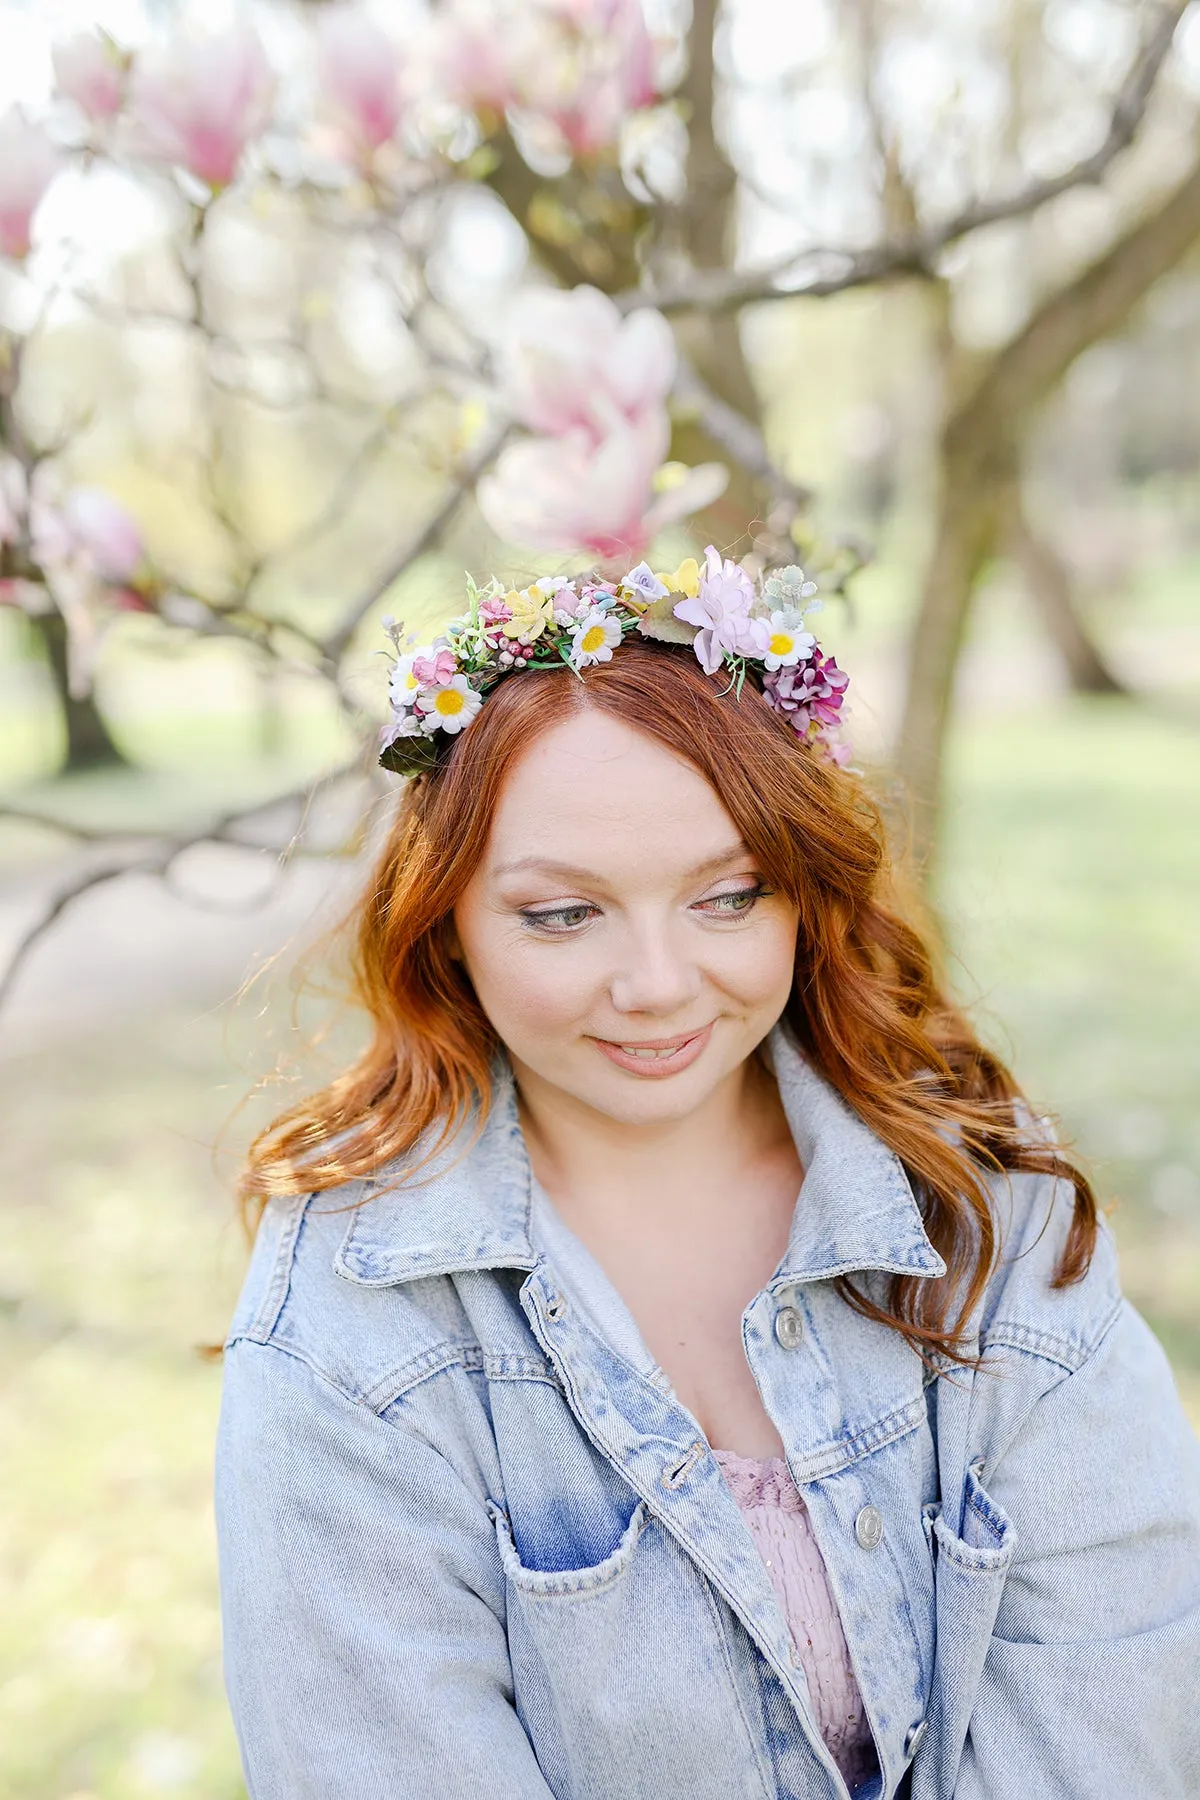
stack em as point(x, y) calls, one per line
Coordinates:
point(789, 1326)
point(868, 1527)
point(915, 1738)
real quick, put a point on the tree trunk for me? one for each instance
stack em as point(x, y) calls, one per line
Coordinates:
point(89, 744)
point(965, 534)
point(1050, 585)
point(979, 462)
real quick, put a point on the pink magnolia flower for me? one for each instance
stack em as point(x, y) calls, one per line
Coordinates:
point(475, 53)
point(571, 361)
point(574, 493)
point(90, 70)
point(571, 493)
point(198, 102)
point(721, 610)
point(359, 68)
point(593, 68)
point(102, 530)
point(28, 164)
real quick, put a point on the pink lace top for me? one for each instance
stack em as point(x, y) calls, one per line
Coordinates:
point(773, 1509)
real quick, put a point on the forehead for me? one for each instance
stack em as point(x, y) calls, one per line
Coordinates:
point(593, 791)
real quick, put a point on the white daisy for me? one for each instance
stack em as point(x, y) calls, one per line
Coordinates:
point(787, 644)
point(449, 707)
point(594, 639)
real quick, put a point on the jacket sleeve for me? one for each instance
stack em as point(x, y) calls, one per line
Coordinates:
point(362, 1602)
point(1088, 1687)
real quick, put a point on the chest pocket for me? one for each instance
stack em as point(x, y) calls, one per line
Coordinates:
point(623, 1672)
point(970, 1569)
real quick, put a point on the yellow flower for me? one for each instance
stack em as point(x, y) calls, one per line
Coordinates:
point(684, 580)
point(531, 613)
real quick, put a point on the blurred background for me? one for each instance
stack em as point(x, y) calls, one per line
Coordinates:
point(305, 310)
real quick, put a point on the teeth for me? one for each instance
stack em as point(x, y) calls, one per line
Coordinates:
point(648, 1055)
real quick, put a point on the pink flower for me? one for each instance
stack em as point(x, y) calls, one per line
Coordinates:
point(494, 613)
point(810, 693)
point(436, 670)
point(199, 102)
point(359, 68)
point(104, 532)
point(722, 611)
point(570, 361)
point(28, 164)
point(573, 493)
point(91, 71)
point(593, 67)
point(475, 53)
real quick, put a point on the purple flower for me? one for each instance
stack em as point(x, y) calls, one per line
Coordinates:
point(722, 611)
point(810, 693)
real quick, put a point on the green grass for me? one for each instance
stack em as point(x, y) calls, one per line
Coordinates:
point(1072, 882)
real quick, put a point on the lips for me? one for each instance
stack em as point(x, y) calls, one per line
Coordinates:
point(656, 1056)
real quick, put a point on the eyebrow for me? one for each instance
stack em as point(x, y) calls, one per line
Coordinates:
point(569, 871)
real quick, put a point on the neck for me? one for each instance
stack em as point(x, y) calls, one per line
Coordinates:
point(592, 1165)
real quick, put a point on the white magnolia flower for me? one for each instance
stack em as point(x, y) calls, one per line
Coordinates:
point(449, 707)
point(594, 639)
point(788, 643)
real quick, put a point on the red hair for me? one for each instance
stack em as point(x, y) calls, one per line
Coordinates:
point(868, 1006)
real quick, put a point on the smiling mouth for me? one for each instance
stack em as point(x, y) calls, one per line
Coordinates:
point(654, 1050)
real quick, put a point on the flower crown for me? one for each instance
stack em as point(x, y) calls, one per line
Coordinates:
point(436, 690)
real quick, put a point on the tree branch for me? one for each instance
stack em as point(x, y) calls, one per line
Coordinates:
point(724, 290)
point(157, 862)
point(335, 644)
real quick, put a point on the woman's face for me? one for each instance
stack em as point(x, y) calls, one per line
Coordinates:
point(619, 935)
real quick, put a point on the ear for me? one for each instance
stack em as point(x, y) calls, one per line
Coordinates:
point(453, 943)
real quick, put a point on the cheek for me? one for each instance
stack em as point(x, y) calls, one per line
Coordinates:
point(758, 966)
point(527, 986)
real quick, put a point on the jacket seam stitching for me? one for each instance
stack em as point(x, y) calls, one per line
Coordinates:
point(262, 1326)
point(1069, 1354)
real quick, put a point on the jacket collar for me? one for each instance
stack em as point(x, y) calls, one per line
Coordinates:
point(471, 1209)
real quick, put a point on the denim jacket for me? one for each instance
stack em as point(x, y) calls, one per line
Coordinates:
point(470, 1551)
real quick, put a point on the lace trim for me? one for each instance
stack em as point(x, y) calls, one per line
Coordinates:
point(760, 1481)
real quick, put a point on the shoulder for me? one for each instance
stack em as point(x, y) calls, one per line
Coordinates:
point(369, 1342)
point(1022, 1307)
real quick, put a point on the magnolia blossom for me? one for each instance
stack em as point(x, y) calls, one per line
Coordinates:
point(359, 69)
point(90, 70)
point(14, 498)
point(199, 101)
point(28, 164)
point(571, 361)
point(721, 610)
point(476, 52)
point(594, 67)
point(571, 493)
point(102, 531)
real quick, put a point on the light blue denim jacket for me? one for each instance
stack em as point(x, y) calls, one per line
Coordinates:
point(471, 1551)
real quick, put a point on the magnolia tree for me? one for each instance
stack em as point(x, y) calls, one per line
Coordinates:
point(547, 218)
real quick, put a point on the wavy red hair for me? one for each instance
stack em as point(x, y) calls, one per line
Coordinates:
point(868, 1006)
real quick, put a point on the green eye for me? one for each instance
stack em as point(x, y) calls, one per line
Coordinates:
point(735, 905)
point(558, 920)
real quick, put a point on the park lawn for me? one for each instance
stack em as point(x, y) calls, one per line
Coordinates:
point(1072, 874)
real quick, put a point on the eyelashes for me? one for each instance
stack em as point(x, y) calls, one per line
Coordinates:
point(565, 921)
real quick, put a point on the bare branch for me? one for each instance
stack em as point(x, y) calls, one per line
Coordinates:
point(159, 861)
point(833, 270)
point(737, 435)
point(463, 484)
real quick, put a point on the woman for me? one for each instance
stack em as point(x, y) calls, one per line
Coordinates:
point(674, 1359)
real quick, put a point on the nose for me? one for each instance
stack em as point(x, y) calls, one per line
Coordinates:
point(655, 976)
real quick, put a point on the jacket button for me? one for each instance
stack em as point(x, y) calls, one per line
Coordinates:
point(868, 1527)
point(915, 1738)
point(789, 1327)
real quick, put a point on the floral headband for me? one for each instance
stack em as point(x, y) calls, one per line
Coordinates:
point(439, 688)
